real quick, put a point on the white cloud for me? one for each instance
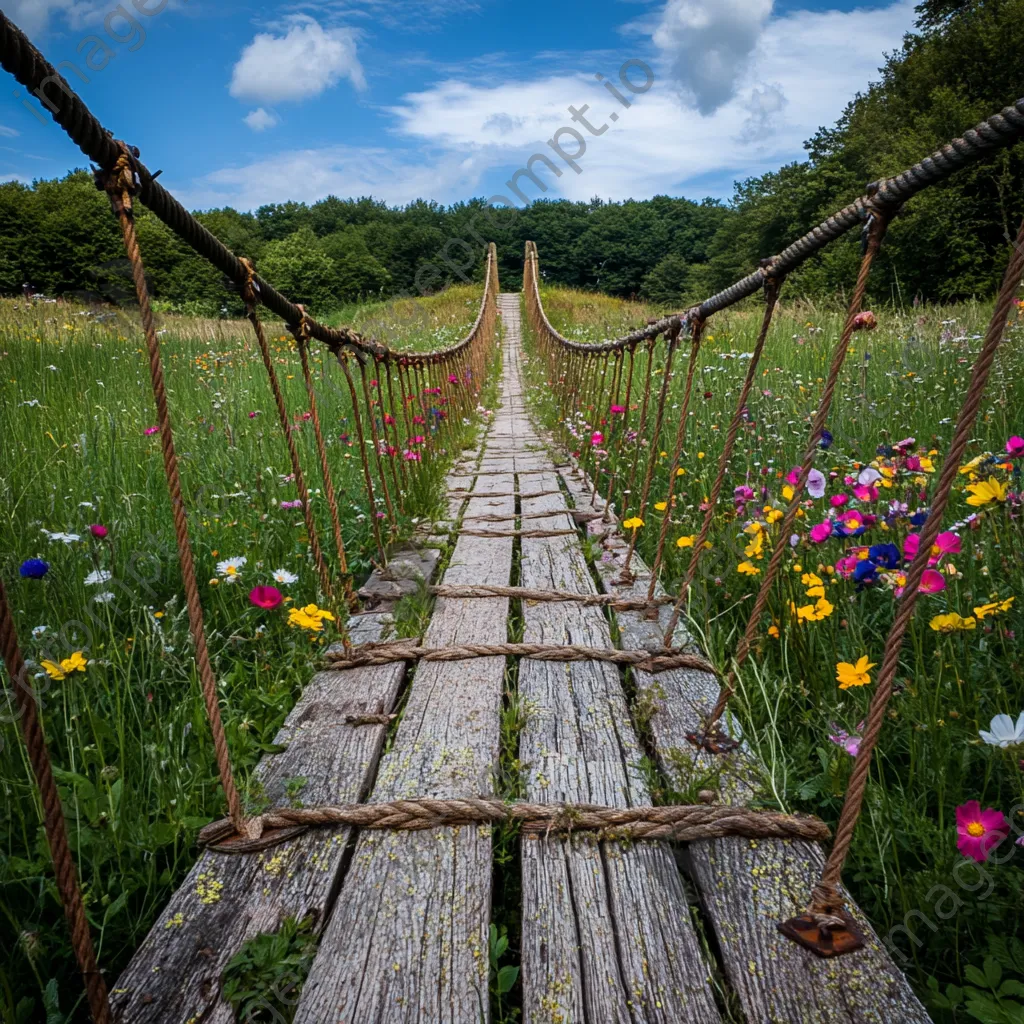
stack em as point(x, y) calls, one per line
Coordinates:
point(8, 133)
point(459, 138)
point(33, 16)
point(259, 120)
point(707, 44)
point(298, 65)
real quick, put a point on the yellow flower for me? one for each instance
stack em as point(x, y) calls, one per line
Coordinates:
point(680, 471)
point(973, 464)
point(773, 515)
point(686, 542)
point(994, 608)
point(849, 675)
point(310, 617)
point(76, 663)
point(821, 609)
point(773, 631)
point(952, 623)
point(986, 491)
point(634, 523)
point(755, 549)
point(788, 492)
point(660, 506)
point(748, 569)
point(810, 579)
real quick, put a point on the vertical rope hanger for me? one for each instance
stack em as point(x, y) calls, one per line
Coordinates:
point(121, 183)
point(300, 332)
point(53, 816)
point(771, 288)
point(827, 919)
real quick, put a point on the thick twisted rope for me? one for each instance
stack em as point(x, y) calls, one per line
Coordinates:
point(120, 184)
point(518, 533)
point(826, 899)
point(388, 652)
point(53, 815)
point(554, 596)
point(683, 823)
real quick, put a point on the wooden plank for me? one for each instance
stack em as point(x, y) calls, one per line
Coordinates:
point(607, 935)
point(407, 938)
point(748, 886)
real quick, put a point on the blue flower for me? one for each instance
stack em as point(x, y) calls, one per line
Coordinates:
point(34, 569)
point(826, 439)
point(919, 518)
point(865, 572)
point(885, 556)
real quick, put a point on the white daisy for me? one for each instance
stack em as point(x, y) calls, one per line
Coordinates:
point(105, 598)
point(1004, 731)
point(38, 631)
point(284, 576)
point(231, 568)
point(98, 576)
point(67, 538)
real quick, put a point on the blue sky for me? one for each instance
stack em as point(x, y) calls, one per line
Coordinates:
point(247, 103)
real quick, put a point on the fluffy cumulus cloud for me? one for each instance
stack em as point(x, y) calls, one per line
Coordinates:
point(259, 120)
point(299, 64)
point(707, 45)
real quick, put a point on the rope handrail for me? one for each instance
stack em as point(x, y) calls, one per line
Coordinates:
point(20, 58)
point(1002, 129)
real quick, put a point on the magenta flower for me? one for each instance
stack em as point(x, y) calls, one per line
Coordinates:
point(266, 598)
point(389, 420)
point(453, 378)
point(618, 410)
point(742, 494)
point(839, 500)
point(932, 582)
point(149, 431)
point(913, 464)
point(254, 414)
point(978, 831)
point(1015, 447)
point(793, 476)
point(596, 437)
point(297, 503)
point(418, 439)
point(98, 531)
point(821, 532)
point(841, 738)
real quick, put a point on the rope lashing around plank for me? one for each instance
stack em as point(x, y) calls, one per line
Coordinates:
point(458, 493)
point(510, 517)
point(519, 533)
point(388, 652)
point(680, 823)
point(555, 596)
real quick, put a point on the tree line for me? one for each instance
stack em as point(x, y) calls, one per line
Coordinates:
point(958, 66)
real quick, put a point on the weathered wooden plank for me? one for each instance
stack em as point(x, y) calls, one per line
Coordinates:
point(607, 935)
point(748, 886)
point(407, 938)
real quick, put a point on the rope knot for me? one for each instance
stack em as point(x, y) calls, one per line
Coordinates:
point(301, 330)
point(249, 286)
point(121, 181)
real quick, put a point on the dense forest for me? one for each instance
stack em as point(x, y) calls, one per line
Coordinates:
point(960, 65)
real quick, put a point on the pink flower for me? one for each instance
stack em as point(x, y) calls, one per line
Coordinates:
point(948, 543)
point(978, 831)
point(254, 414)
point(839, 500)
point(866, 321)
point(821, 532)
point(911, 545)
point(597, 437)
point(150, 431)
point(742, 494)
point(851, 522)
point(932, 582)
point(297, 503)
point(453, 379)
point(418, 419)
point(411, 456)
point(618, 410)
point(793, 476)
point(99, 532)
point(389, 420)
point(865, 492)
point(913, 464)
point(265, 597)
point(1015, 447)
point(841, 738)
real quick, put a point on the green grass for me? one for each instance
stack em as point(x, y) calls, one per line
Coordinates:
point(905, 379)
point(128, 735)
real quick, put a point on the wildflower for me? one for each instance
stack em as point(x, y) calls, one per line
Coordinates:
point(865, 492)
point(687, 542)
point(297, 503)
point(953, 622)
point(231, 568)
point(841, 738)
point(265, 597)
point(105, 598)
point(868, 476)
point(932, 582)
point(742, 494)
point(1015, 447)
point(978, 831)
point(284, 576)
point(310, 617)
point(597, 437)
point(826, 439)
point(748, 569)
point(821, 532)
point(994, 608)
point(634, 523)
point(816, 483)
point(58, 671)
point(821, 609)
point(64, 538)
point(851, 523)
point(98, 576)
point(619, 410)
point(98, 531)
point(854, 675)
point(150, 431)
point(660, 506)
point(984, 492)
point(33, 569)
point(865, 321)
point(1004, 732)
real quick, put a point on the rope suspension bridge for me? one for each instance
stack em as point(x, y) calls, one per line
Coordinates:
point(393, 854)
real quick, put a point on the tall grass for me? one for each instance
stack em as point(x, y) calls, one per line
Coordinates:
point(128, 734)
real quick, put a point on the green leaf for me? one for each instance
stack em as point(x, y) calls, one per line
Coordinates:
point(507, 978)
point(993, 972)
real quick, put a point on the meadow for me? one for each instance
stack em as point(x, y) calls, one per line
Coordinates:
point(948, 783)
point(88, 557)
